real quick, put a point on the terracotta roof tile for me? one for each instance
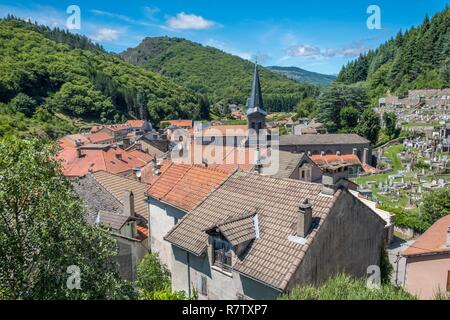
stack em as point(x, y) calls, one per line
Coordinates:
point(179, 123)
point(434, 240)
point(272, 257)
point(185, 186)
point(111, 159)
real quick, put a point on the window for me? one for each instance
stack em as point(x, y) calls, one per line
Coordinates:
point(202, 285)
point(222, 254)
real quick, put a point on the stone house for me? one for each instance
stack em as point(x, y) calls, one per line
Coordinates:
point(328, 144)
point(256, 237)
point(118, 203)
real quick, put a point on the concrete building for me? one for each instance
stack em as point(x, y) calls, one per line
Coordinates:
point(328, 144)
point(428, 262)
point(256, 237)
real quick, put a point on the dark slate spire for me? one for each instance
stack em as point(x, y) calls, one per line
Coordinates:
point(255, 102)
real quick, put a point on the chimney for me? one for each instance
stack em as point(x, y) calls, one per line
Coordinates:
point(448, 237)
point(365, 159)
point(304, 218)
point(118, 156)
point(355, 151)
point(79, 153)
point(126, 143)
point(333, 180)
point(128, 204)
point(322, 153)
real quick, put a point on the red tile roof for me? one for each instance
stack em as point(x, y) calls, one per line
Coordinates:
point(110, 159)
point(99, 137)
point(135, 123)
point(330, 159)
point(186, 186)
point(434, 240)
point(179, 123)
point(147, 172)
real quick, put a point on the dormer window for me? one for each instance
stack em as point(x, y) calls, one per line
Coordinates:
point(223, 253)
point(230, 238)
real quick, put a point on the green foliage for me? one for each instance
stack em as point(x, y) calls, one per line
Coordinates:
point(335, 98)
point(390, 124)
point(219, 75)
point(43, 231)
point(369, 125)
point(65, 73)
point(349, 118)
point(344, 287)
point(385, 267)
point(152, 275)
point(415, 59)
point(435, 205)
point(153, 280)
point(24, 104)
point(407, 219)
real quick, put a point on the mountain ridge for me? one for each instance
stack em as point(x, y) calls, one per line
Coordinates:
point(304, 76)
point(211, 71)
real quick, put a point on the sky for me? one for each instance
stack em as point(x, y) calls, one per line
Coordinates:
point(316, 35)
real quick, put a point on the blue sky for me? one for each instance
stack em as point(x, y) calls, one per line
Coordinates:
point(315, 35)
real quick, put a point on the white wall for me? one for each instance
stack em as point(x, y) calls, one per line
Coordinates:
point(162, 218)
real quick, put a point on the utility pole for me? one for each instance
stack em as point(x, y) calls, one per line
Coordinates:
point(396, 268)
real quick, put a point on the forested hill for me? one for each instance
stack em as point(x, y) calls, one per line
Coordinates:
point(210, 71)
point(305, 76)
point(415, 59)
point(41, 79)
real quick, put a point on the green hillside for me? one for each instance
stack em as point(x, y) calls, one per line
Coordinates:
point(210, 71)
point(304, 76)
point(47, 80)
point(418, 58)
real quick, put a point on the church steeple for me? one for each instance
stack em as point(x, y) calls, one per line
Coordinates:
point(256, 116)
point(255, 102)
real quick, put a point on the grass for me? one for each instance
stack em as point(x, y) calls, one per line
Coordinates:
point(344, 287)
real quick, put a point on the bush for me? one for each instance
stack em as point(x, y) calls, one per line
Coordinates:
point(344, 287)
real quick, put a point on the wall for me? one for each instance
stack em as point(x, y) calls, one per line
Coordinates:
point(350, 240)
point(220, 285)
point(329, 149)
point(426, 274)
point(129, 255)
point(162, 218)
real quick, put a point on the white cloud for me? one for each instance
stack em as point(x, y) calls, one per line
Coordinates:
point(306, 50)
point(183, 21)
point(106, 34)
point(222, 46)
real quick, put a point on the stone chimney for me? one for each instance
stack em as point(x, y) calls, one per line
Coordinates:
point(333, 180)
point(304, 218)
point(128, 204)
point(365, 159)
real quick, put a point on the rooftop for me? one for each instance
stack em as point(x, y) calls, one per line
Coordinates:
point(185, 186)
point(433, 241)
point(102, 195)
point(106, 158)
point(271, 258)
point(323, 139)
